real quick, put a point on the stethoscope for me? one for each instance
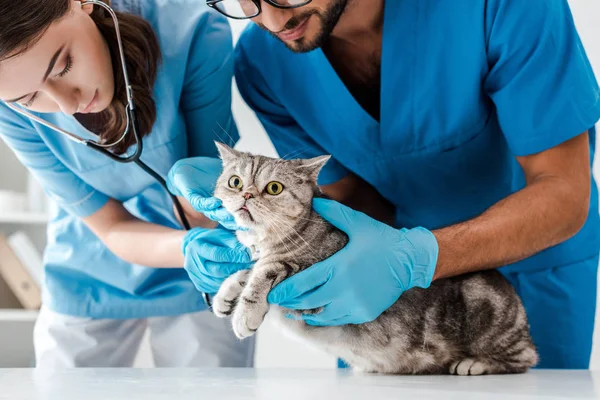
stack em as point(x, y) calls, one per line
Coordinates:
point(132, 124)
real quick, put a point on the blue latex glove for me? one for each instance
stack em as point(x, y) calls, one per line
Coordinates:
point(366, 277)
point(211, 256)
point(194, 179)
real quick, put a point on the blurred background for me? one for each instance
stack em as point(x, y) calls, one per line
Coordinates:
point(22, 237)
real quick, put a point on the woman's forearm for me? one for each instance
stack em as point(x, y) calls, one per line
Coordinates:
point(146, 244)
point(136, 241)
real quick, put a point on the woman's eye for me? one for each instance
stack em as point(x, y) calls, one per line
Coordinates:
point(274, 188)
point(31, 100)
point(235, 182)
point(68, 66)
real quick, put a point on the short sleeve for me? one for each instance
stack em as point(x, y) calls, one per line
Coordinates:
point(540, 78)
point(288, 138)
point(206, 95)
point(65, 188)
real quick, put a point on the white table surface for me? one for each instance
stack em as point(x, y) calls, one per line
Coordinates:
point(286, 384)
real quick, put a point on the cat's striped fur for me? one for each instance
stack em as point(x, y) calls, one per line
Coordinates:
point(468, 325)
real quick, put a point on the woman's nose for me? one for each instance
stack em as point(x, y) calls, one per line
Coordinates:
point(274, 19)
point(64, 96)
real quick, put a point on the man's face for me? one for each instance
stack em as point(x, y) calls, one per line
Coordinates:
point(305, 28)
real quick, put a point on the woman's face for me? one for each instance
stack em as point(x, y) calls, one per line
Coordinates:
point(68, 69)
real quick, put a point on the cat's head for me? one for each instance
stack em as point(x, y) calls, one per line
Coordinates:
point(267, 193)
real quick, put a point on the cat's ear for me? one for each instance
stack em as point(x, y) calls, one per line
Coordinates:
point(227, 153)
point(313, 166)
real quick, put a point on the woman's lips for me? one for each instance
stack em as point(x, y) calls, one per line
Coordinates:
point(92, 103)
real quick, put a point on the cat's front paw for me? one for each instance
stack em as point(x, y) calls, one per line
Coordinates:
point(312, 311)
point(225, 301)
point(247, 319)
point(222, 307)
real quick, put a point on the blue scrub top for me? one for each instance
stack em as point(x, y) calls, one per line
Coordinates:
point(465, 87)
point(193, 102)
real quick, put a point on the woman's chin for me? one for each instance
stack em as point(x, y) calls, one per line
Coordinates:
point(103, 104)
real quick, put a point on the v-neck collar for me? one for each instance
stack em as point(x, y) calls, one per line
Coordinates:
point(344, 102)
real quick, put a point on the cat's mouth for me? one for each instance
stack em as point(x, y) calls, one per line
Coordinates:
point(245, 213)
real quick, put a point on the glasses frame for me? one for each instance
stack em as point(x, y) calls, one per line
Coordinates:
point(213, 4)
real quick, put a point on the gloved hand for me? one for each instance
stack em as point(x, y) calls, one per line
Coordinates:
point(362, 280)
point(194, 179)
point(211, 256)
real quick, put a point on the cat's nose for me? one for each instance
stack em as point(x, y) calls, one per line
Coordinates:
point(248, 195)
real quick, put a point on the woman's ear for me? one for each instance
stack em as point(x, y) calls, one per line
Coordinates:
point(87, 8)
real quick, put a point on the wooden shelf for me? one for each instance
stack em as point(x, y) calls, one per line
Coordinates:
point(23, 218)
point(7, 314)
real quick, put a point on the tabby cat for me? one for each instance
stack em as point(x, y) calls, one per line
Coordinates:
point(468, 325)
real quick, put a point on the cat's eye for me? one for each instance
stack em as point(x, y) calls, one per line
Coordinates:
point(235, 182)
point(274, 188)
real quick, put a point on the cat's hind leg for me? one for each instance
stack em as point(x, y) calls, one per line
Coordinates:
point(469, 366)
point(226, 299)
point(496, 335)
point(516, 361)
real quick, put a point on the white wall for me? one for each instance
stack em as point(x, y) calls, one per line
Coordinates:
point(253, 136)
point(587, 18)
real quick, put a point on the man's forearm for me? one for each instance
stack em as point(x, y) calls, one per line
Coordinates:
point(543, 214)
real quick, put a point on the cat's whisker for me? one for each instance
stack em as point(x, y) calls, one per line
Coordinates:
point(300, 153)
point(291, 227)
point(315, 221)
point(227, 133)
point(286, 235)
point(278, 232)
point(286, 223)
point(216, 133)
point(288, 156)
point(277, 219)
point(285, 157)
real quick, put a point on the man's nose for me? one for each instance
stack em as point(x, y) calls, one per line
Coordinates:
point(248, 195)
point(274, 19)
point(64, 96)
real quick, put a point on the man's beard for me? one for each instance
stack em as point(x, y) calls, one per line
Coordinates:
point(328, 20)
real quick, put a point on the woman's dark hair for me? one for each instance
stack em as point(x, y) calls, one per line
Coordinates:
point(23, 23)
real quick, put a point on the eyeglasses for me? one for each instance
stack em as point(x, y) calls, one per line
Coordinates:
point(244, 9)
